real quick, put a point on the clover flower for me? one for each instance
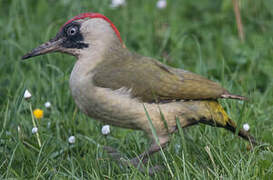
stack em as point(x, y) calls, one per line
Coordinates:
point(105, 129)
point(47, 104)
point(38, 113)
point(27, 94)
point(34, 130)
point(71, 139)
point(117, 3)
point(161, 4)
point(246, 127)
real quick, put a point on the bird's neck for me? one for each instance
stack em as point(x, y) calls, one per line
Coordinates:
point(98, 52)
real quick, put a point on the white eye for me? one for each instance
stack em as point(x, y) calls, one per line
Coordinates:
point(72, 30)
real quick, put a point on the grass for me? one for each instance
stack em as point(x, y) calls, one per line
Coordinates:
point(200, 36)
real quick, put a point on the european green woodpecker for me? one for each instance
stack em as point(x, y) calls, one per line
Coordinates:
point(115, 86)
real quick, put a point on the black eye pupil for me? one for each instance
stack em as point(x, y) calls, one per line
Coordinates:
point(72, 31)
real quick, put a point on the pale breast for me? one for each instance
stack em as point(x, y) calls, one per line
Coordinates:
point(106, 105)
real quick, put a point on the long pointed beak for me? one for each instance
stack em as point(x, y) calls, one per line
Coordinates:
point(50, 46)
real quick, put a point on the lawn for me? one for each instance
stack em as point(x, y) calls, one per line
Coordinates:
point(200, 36)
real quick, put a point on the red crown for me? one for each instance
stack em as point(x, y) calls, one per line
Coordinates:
point(95, 15)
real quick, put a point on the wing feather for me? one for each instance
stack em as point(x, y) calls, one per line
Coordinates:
point(152, 81)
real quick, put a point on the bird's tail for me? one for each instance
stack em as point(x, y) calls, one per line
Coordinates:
point(219, 118)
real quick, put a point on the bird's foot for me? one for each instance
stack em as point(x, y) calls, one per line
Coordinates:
point(113, 153)
point(137, 162)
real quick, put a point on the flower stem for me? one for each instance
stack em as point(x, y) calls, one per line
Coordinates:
point(34, 125)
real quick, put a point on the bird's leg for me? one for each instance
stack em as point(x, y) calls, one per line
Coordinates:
point(155, 147)
point(113, 153)
point(141, 159)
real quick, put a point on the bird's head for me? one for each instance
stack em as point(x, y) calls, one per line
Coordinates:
point(81, 34)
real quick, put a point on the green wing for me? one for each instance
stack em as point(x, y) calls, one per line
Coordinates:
point(152, 81)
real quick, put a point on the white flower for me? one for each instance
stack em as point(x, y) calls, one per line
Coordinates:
point(246, 127)
point(117, 3)
point(71, 139)
point(27, 94)
point(161, 4)
point(47, 104)
point(105, 129)
point(34, 130)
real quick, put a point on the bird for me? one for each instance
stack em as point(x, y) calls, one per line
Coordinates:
point(119, 87)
